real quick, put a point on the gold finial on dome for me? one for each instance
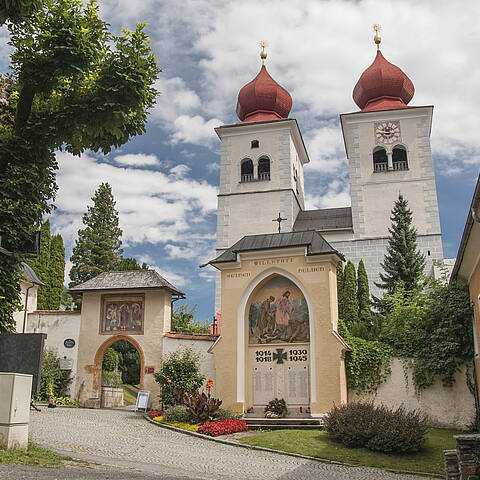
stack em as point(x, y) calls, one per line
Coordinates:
point(263, 53)
point(377, 39)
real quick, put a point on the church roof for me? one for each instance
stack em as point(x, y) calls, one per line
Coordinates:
point(325, 219)
point(315, 243)
point(263, 99)
point(30, 274)
point(129, 280)
point(383, 86)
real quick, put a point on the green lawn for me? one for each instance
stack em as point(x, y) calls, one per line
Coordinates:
point(318, 444)
point(128, 397)
point(35, 455)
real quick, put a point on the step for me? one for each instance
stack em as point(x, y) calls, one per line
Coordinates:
point(284, 427)
point(282, 421)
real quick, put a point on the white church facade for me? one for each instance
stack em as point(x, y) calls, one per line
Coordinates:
point(388, 148)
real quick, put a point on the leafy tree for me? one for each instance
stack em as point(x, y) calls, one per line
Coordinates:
point(111, 360)
point(363, 294)
point(403, 263)
point(129, 364)
point(340, 281)
point(183, 320)
point(74, 86)
point(128, 264)
point(97, 248)
point(350, 303)
point(178, 369)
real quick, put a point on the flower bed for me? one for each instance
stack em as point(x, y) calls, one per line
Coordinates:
point(222, 427)
point(155, 413)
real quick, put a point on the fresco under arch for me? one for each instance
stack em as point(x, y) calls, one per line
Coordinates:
point(278, 313)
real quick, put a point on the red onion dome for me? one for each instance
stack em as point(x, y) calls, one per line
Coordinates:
point(383, 86)
point(263, 99)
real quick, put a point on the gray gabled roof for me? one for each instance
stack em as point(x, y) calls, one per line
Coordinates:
point(325, 219)
point(129, 280)
point(30, 274)
point(315, 243)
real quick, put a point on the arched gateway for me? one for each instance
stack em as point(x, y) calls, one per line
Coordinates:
point(134, 306)
point(279, 324)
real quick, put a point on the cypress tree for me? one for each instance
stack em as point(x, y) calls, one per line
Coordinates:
point(97, 248)
point(350, 303)
point(340, 289)
point(41, 265)
point(403, 263)
point(56, 272)
point(363, 294)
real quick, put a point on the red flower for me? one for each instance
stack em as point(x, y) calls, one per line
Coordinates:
point(222, 427)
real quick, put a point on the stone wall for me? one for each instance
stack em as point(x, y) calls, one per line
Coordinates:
point(199, 343)
point(450, 407)
point(464, 462)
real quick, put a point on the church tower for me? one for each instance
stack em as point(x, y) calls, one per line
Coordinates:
point(261, 165)
point(388, 149)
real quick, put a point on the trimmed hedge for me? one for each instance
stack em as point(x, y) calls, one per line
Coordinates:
point(377, 428)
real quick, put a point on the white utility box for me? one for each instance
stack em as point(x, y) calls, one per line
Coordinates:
point(15, 395)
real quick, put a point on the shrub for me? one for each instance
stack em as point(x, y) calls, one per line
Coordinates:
point(111, 360)
point(52, 375)
point(178, 413)
point(112, 379)
point(377, 428)
point(178, 369)
point(201, 406)
point(223, 414)
point(222, 427)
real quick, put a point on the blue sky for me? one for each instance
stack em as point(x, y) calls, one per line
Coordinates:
point(165, 182)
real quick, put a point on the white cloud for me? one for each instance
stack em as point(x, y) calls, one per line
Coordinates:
point(334, 195)
point(179, 171)
point(137, 160)
point(194, 129)
point(153, 207)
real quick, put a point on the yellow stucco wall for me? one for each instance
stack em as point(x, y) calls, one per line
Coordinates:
point(91, 344)
point(316, 277)
point(474, 287)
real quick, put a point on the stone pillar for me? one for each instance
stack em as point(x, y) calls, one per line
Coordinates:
point(468, 452)
point(450, 459)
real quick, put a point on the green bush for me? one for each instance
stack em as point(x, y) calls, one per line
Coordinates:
point(112, 379)
point(178, 413)
point(377, 428)
point(178, 369)
point(224, 414)
point(51, 374)
point(111, 360)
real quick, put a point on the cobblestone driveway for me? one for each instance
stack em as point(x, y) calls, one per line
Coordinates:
point(122, 438)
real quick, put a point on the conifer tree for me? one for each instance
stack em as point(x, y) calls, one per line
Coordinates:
point(97, 248)
point(340, 289)
point(403, 263)
point(56, 272)
point(350, 303)
point(363, 294)
point(40, 265)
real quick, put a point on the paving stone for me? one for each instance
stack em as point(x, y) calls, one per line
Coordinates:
point(123, 437)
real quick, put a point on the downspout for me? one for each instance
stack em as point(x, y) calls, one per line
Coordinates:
point(26, 304)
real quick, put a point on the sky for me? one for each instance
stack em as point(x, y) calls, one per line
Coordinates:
point(165, 182)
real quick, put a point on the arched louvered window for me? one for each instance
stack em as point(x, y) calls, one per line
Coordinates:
point(380, 161)
point(264, 168)
point(399, 158)
point(246, 170)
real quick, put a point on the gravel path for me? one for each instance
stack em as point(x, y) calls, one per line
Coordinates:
point(126, 440)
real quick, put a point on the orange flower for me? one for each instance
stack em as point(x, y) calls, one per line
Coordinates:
point(185, 393)
point(169, 381)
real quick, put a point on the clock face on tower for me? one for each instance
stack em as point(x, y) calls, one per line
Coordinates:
point(387, 132)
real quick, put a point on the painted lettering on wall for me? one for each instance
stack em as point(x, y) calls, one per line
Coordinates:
point(310, 269)
point(279, 356)
point(275, 261)
point(239, 275)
